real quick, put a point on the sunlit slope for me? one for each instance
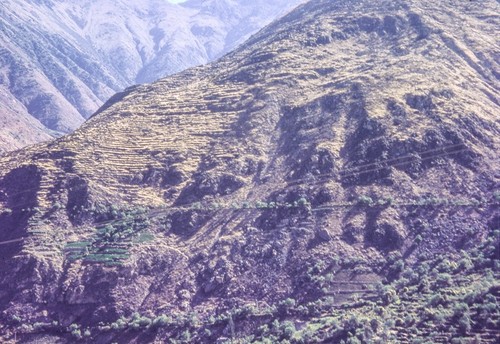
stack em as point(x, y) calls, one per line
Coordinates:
point(357, 130)
point(60, 60)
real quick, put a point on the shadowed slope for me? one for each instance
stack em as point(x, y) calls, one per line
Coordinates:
point(341, 143)
point(60, 60)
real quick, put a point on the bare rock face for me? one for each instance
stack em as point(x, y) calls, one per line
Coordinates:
point(337, 170)
point(60, 60)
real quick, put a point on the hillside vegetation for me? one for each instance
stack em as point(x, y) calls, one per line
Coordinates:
point(333, 180)
point(60, 60)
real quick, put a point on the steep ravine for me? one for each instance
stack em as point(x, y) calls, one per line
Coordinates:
point(333, 179)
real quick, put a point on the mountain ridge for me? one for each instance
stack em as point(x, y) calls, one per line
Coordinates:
point(339, 167)
point(62, 60)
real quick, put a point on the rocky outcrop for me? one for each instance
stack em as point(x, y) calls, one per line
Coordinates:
point(302, 188)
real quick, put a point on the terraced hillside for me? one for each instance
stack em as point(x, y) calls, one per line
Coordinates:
point(334, 179)
point(60, 60)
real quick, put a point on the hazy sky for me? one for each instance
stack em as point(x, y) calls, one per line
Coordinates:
point(176, 1)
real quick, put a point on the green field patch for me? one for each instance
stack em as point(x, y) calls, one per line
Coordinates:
point(75, 257)
point(111, 240)
point(78, 244)
point(104, 257)
point(143, 237)
point(113, 250)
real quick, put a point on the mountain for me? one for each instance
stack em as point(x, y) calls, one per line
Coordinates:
point(60, 60)
point(18, 128)
point(332, 180)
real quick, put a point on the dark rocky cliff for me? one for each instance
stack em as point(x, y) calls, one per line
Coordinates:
point(334, 179)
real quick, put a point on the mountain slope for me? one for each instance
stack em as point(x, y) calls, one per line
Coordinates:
point(62, 59)
point(334, 178)
point(17, 129)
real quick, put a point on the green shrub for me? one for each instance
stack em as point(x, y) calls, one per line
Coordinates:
point(460, 308)
point(139, 322)
point(436, 300)
point(464, 324)
point(365, 200)
point(444, 280)
point(285, 307)
point(119, 324)
point(161, 321)
point(288, 329)
point(76, 333)
point(388, 295)
point(418, 239)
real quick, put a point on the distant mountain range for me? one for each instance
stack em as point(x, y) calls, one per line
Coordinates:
point(334, 179)
point(61, 59)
